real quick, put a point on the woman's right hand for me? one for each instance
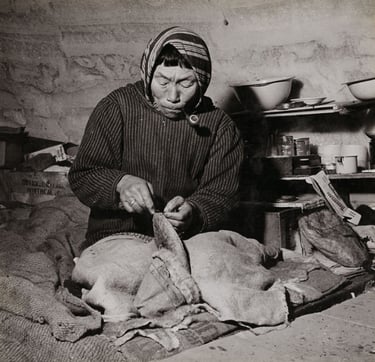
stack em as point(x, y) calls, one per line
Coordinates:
point(136, 194)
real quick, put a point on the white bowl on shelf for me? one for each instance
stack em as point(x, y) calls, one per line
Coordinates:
point(362, 89)
point(270, 92)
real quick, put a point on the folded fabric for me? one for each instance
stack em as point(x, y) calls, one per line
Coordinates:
point(112, 269)
point(336, 268)
point(229, 272)
point(304, 277)
point(166, 286)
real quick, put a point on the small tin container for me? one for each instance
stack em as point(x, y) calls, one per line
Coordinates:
point(285, 146)
point(302, 146)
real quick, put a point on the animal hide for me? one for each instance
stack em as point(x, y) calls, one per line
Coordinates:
point(226, 267)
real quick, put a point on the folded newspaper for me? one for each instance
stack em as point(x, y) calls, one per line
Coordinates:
point(324, 188)
point(304, 202)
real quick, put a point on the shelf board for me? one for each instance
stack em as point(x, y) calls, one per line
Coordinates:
point(300, 112)
point(349, 176)
point(324, 108)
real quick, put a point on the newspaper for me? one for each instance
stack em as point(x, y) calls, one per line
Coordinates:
point(324, 188)
point(304, 202)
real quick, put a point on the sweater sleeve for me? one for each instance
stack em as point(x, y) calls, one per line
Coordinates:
point(218, 189)
point(96, 169)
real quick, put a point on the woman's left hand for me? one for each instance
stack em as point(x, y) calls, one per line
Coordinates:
point(179, 213)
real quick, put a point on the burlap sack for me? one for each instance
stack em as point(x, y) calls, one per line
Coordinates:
point(326, 232)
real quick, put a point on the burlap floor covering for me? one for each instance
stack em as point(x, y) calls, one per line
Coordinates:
point(38, 322)
point(42, 322)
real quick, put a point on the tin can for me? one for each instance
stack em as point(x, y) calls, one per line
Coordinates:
point(285, 146)
point(302, 146)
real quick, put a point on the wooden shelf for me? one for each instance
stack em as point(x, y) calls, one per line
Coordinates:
point(324, 108)
point(305, 111)
point(349, 176)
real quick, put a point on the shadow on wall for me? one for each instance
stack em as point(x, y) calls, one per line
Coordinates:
point(246, 99)
point(296, 89)
point(248, 116)
point(253, 126)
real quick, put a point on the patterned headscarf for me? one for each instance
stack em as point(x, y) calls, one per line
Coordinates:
point(189, 44)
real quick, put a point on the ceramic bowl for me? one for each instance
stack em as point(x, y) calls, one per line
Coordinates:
point(362, 89)
point(270, 92)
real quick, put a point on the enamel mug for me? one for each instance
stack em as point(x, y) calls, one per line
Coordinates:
point(356, 150)
point(346, 164)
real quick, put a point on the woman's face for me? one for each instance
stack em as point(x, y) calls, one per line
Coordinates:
point(173, 90)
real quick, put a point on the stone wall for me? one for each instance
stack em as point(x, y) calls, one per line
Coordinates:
point(58, 58)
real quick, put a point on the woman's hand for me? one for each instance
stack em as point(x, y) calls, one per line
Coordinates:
point(179, 213)
point(135, 194)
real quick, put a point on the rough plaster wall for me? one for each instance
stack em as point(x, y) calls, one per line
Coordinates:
point(58, 58)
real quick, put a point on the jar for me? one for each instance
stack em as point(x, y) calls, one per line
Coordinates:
point(285, 145)
point(302, 146)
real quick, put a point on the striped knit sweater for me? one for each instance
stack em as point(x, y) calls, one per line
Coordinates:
point(126, 135)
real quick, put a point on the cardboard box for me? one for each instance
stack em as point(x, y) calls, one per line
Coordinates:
point(35, 187)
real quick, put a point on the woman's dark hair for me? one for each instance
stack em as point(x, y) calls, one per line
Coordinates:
point(170, 57)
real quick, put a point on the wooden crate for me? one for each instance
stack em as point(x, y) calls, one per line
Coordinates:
point(269, 225)
point(279, 225)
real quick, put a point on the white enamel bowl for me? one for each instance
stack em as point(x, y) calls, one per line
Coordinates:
point(270, 92)
point(363, 89)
